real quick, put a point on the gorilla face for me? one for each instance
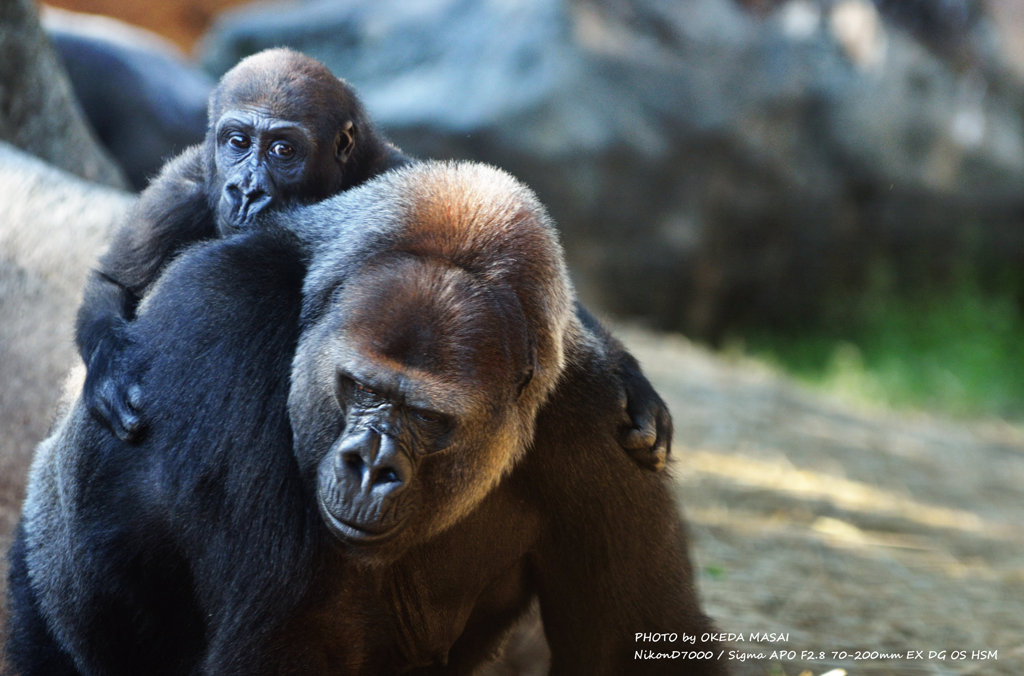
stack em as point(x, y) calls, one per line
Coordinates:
point(432, 334)
point(264, 162)
point(283, 131)
point(405, 402)
point(364, 481)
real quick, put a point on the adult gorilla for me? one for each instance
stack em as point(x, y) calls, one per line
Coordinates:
point(454, 457)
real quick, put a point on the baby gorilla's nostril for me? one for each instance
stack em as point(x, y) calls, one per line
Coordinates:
point(245, 196)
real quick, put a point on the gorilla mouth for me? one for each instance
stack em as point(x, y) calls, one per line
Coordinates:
point(241, 221)
point(353, 533)
point(240, 214)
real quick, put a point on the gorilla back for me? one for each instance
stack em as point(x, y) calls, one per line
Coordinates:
point(441, 452)
point(127, 561)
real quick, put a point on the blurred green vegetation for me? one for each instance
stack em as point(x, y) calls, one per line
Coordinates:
point(959, 350)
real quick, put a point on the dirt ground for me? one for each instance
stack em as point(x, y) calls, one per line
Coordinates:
point(854, 534)
point(860, 535)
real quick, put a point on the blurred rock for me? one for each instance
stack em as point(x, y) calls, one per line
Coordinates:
point(1008, 26)
point(142, 97)
point(708, 165)
point(52, 228)
point(37, 108)
point(180, 21)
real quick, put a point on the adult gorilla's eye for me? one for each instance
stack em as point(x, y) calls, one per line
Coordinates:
point(436, 430)
point(240, 141)
point(365, 394)
point(426, 416)
point(282, 150)
point(364, 389)
point(431, 418)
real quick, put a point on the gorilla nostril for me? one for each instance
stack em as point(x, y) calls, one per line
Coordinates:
point(240, 195)
point(353, 462)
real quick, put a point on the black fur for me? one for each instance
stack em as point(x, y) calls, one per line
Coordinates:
point(30, 641)
point(173, 555)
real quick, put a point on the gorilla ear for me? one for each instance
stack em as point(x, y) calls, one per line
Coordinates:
point(346, 142)
point(524, 381)
point(527, 375)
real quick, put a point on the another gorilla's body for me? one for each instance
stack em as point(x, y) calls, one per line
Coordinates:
point(201, 551)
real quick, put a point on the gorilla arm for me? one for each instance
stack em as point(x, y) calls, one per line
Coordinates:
point(613, 559)
point(170, 214)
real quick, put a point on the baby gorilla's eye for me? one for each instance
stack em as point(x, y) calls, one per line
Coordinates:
point(282, 150)
point(239, 141)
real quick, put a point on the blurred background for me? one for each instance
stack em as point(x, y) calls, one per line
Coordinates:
point(804, 216)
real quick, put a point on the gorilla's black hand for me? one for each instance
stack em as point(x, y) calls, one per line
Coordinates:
point(112, 391)
point(647, 437)
point(646, 433)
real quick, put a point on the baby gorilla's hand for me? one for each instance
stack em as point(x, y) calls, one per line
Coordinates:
point(112, 391)
point(647, 435)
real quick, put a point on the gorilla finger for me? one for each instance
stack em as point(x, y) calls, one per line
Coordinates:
point(114, 409)
point(640, 438)
point(664, 426)
point(127, 424)
point(134, 397)
point(101, 409)
point(127, 434)
point(646, 450)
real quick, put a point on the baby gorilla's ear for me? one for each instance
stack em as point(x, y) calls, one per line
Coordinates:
point(346, 142)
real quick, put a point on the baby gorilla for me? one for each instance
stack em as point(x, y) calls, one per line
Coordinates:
point(282, 131)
